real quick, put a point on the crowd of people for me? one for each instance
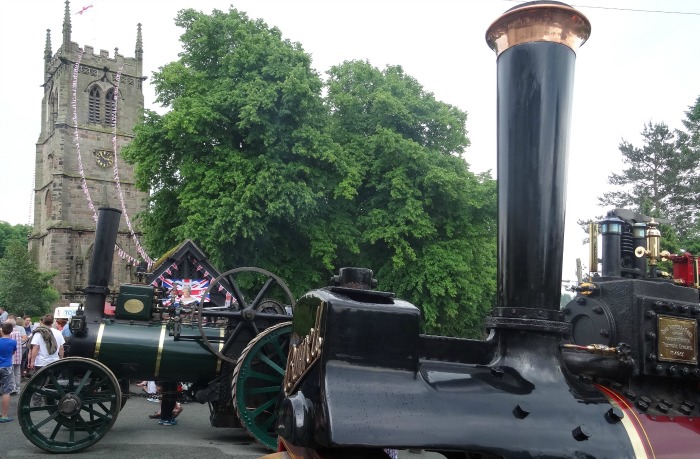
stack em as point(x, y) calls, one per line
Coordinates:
point(25, 347)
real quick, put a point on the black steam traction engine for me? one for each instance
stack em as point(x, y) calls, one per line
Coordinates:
point(613, 374)
point(234, 356)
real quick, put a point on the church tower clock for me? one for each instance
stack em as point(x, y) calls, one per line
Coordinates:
point(75, 158)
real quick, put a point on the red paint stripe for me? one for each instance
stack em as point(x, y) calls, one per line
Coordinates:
point(663, 436)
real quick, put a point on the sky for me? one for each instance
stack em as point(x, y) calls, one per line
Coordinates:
point(638, 66)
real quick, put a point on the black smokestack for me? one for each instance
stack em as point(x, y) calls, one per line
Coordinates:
point(101, 263)
point(536, 44)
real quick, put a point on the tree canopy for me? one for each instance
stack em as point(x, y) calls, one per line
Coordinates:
point(23, 288)
point(261, 163)
point(12, 233)
point(662, 179)
point(418, 216)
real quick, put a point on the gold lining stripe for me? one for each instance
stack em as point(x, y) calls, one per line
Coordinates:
point(640, 450)
point(161, 341)
point(98, 343)
point(221, 347)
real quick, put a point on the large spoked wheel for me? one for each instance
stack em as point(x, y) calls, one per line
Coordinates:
point(256, 293)
point(257, 382)
point(69, 405)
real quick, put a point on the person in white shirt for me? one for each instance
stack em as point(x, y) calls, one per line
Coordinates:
point(39, 355)
point(46, 347)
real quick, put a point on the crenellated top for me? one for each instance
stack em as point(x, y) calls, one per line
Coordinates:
point(92, 63)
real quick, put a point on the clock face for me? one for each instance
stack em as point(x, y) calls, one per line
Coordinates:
point(104, 158)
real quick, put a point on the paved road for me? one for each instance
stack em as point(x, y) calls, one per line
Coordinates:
point(134, 435)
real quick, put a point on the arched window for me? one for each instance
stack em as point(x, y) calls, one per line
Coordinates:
point(48, 205)
point(94, 105)
point(109, 107)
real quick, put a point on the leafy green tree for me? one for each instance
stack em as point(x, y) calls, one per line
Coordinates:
point(23, 288)
point(12, 233)
point(240, 163)
point(417, 216)
point(253, 164)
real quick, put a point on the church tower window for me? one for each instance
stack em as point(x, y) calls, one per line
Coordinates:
point(109, 107)
point(94, 105)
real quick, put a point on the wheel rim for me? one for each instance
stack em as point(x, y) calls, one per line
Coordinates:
point(257, 382)
point(81, 401)
point(248, 309)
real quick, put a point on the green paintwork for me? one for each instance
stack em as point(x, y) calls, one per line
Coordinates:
point(131, 352)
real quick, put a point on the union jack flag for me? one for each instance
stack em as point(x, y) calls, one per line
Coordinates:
point(175, 287)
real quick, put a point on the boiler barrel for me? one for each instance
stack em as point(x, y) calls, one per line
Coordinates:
point(149, 352)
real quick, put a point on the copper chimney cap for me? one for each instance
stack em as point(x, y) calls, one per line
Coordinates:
point(539, 21)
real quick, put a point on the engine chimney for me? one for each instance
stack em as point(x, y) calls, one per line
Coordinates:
point(536, 44)
point(101, 264)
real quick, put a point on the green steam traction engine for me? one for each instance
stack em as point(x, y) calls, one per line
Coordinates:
point(242, 347)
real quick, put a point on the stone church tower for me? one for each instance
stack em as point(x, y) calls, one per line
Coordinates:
point(64, 225)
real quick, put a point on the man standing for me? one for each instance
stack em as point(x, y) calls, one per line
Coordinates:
point(44, 349)
point(3, 315)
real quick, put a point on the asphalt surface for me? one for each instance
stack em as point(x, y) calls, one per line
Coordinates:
point(134, 435)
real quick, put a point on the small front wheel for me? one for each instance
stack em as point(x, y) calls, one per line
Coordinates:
point(69, 405)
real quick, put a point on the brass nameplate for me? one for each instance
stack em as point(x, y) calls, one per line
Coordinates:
point(302, 356)
point(133, 306)
point(678, 339)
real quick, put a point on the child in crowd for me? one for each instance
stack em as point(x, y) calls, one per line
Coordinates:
point(7, 380)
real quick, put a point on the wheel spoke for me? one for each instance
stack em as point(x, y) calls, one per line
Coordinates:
point(52, 393)
point(261, 293)
point(263, 376)
point(267, 424)
point(98, 400)
point(59, 390)
point(51, 417)
point(55, 431)
point(279, 351)
point(231, 338)
point(71, 430)
point(264, 390)
point(272, 364)
point(237, 292)
point(79, 419)
point(256, 412)
point(97, 414)
point(83, 381)
point(254, 327)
